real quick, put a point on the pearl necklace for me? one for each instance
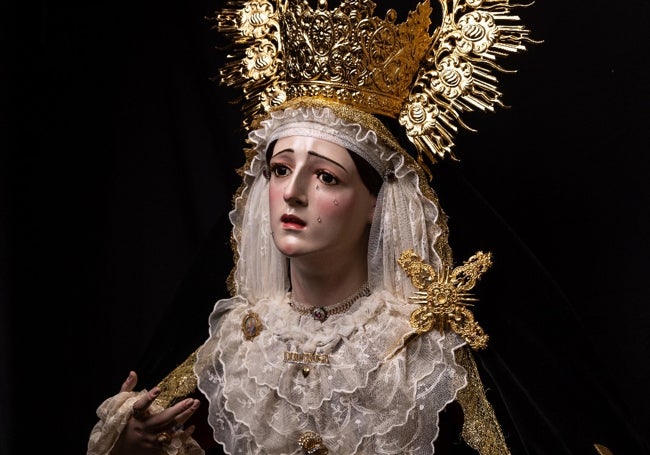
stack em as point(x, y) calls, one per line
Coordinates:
point(322, 313)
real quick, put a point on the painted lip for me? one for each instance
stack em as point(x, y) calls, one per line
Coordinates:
point(292, 222)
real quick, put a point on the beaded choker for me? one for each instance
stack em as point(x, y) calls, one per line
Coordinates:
point(322, 313)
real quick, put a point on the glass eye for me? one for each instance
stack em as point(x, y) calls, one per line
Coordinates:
point(327, 178)
point(279, 170)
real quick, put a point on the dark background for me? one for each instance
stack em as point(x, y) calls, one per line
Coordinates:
point(118, 157)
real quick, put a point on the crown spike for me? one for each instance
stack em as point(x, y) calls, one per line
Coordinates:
point(426, 79)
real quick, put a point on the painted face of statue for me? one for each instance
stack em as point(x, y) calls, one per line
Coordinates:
point(319, 205)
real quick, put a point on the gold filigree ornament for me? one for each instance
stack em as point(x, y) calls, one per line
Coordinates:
point(444, 297)
point(312, 443)
point(286, 50)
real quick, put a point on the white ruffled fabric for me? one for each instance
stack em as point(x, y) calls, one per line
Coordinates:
point(114, 413)
point(364, 402)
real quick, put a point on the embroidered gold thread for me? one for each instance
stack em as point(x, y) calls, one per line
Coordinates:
point(306, 357)
point(178, 384)
point(481, 429)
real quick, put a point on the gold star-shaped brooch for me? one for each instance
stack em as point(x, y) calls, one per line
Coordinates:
point(444, 297)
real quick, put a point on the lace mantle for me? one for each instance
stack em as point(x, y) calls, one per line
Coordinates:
point(355, 396)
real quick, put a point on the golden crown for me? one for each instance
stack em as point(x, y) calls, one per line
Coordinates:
point(287, 50)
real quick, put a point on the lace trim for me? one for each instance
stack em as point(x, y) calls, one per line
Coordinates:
point(481, 429)
point(359, 403)
point(178, 384)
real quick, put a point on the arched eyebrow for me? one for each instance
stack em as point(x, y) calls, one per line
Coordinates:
point(327, 159)
point(287, 150)
point(312, 153)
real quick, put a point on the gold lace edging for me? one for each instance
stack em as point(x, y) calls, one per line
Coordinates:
point(178, 384)
point(481, 430)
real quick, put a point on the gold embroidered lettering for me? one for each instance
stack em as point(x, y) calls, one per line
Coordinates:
point(306, 357)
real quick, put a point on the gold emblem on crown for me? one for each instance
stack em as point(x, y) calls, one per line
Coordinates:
point(288, 50)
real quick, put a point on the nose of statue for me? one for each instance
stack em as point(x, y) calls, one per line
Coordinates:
point(295, 192)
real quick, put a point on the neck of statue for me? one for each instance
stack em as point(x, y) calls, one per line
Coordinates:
point(325, 283)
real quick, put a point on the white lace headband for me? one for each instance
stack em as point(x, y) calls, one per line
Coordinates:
point(320, 123)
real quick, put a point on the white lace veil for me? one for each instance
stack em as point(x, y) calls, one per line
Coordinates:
point(404, 216)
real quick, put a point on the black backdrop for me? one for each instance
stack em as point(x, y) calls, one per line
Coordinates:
point(121, 164)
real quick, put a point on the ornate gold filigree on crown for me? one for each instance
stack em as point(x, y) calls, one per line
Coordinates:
point(444, 297)
point(287, 49)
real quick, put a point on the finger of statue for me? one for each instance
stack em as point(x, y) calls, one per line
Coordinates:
point(130, 382)
point(185, 410)
point(172, 419)
point(141, 406)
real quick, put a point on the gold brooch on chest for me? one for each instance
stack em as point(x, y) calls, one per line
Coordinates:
point(251, 326)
